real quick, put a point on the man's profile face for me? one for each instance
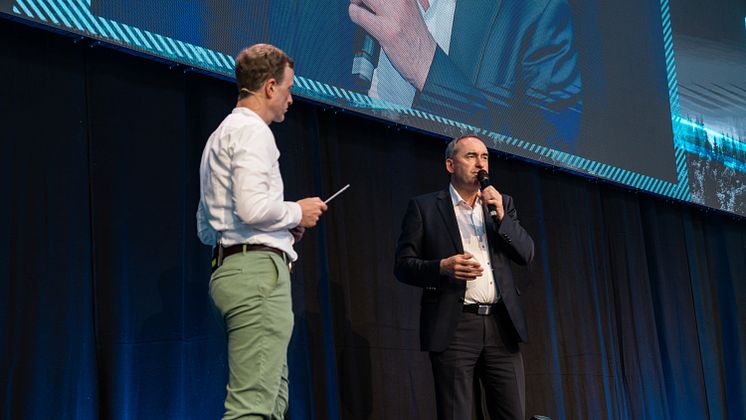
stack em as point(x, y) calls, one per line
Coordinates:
point(282, 98)
point(469, 156)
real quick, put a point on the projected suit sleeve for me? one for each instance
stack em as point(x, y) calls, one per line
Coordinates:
point(524, 82)
point(511, 68)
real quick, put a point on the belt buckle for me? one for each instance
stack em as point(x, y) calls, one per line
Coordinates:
point(483, 309)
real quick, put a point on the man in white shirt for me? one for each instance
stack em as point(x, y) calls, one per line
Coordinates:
point(471, 318)
point(243, 215)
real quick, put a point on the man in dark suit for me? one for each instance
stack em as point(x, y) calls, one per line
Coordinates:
point(471, 319)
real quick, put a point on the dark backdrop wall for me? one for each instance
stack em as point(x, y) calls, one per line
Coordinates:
point(636, 304)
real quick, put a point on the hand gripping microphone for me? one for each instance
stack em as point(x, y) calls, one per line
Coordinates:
point(484, 182)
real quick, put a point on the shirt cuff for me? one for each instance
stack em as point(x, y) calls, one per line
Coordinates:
point(295, 212)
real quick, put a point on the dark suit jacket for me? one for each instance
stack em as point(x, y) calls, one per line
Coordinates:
point(429, 234)
point(511, 68)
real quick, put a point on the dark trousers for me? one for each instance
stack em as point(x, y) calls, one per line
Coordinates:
point(483, 348)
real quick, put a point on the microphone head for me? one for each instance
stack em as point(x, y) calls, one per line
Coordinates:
point(484, 179)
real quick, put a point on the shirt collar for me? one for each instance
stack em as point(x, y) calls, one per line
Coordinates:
point(456, 199)
point(245, 111)
point(429, 9)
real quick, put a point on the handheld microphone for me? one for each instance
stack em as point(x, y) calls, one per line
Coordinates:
point(484, 182)
point(366, 50)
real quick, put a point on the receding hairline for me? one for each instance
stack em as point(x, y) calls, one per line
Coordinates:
point(451, 147)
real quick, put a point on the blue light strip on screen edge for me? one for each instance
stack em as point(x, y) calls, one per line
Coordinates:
point(76, 16)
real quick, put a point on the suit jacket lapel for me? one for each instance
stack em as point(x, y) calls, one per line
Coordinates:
point(445, 207)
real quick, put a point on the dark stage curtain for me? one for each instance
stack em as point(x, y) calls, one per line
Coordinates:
point(635, 304)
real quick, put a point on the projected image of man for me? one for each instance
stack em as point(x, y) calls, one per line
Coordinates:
point(243, 214)
point(507, 66)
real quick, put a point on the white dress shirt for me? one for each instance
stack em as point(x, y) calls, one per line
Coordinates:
point(474, 238)
point(241, 190)
point(387, 83)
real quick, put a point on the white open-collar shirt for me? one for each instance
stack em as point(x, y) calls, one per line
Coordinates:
point(241, 189)
point(473, 233)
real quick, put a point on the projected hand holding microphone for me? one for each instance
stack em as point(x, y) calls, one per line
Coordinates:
point(415, 54)
point(398, 26)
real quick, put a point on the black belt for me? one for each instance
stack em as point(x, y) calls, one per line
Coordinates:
point(220, 253)
point(480, 308)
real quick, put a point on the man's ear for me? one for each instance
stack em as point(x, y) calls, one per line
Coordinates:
point(269, 88)
point(449, 165)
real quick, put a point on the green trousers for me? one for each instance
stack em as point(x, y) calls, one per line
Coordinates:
point(252, 294)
